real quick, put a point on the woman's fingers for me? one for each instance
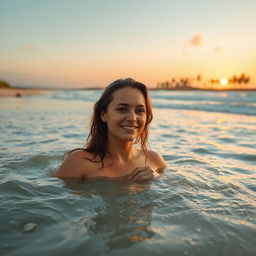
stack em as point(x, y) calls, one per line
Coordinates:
point(141, 177)
point(142, 173)
point(137, 172)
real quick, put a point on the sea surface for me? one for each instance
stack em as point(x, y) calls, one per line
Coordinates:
point(204, 204)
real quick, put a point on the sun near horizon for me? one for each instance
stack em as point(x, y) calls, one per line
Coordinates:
point(223, 83)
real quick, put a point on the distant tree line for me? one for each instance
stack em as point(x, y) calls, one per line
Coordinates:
point(181, 83)
point(4, 84)
point(234, 82)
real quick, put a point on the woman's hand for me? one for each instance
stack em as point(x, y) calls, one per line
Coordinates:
point(143, 173)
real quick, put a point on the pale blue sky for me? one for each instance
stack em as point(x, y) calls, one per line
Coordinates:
point(89, 43)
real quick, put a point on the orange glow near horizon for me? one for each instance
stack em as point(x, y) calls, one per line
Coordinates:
point(99, 43)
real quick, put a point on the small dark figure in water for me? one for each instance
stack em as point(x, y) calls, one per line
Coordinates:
point(18, 95)
point(120, 119)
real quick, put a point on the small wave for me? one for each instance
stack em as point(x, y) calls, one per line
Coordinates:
point(241, 170)
point(225, 186)
point(247, 145)
point(244, 157)
point(17, 187)
point(188, 161)
point(186, 182)
point(227, 139)
point(251, 187)
point(80, 95)
point(167, 136)
point(242, 109)
point(201, 151)
point(206, 96)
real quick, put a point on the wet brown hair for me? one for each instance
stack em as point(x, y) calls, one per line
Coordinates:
point(97, 139)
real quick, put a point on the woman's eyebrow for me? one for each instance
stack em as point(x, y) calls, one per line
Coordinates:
point(123, 104)
point(127, 105)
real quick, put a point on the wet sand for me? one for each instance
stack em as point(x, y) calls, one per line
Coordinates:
point(22, 92)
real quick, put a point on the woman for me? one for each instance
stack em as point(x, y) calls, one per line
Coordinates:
point(120, 120)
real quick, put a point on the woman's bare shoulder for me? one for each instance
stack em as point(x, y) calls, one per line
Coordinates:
point(76, 164)
point(157, 160)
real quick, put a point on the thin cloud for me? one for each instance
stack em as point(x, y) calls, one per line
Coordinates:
point(196, 40)
point(184, 53)
point(27, 47)
point(217, 49)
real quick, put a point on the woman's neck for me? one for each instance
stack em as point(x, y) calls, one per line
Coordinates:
point(121, 151)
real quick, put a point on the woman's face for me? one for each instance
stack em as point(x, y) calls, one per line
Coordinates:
point(126, 114)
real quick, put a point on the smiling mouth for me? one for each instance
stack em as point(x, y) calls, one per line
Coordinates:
point(129, 127)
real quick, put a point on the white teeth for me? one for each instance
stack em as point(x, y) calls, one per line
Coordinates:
point(128, 127)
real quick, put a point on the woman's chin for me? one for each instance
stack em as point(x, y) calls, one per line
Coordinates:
point(129, 138)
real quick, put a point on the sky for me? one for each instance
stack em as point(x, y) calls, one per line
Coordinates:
point(82, 43)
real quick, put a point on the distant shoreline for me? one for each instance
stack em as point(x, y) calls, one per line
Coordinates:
point(166, 89)
point(30, 91)
point(22, 92)
point(201, 89)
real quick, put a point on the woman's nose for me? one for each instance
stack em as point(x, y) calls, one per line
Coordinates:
point(131, 116)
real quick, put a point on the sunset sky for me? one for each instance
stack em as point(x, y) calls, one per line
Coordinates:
point(82, 43)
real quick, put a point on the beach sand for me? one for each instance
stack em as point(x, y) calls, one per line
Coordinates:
point(22, 92)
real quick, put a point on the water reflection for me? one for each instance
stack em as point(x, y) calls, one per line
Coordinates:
point(124, 214)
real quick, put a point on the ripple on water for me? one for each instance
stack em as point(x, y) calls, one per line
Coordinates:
point(241, 170)
point(247, 145)
point(16, 187)
point(39, 162)
point(188, 182)
point(227, 139)
point(202, 151)
point(189, 161)
point(251, 186)
point(243, 157)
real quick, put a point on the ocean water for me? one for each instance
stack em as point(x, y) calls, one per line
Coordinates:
point(204, 204)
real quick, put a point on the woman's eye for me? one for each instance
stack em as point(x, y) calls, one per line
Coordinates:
point(121, 109)
point(140, 111)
